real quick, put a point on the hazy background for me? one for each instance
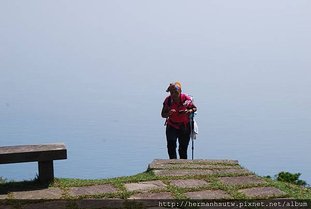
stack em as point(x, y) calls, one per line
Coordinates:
point(93, 74)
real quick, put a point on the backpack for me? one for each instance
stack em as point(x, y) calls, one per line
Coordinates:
point(184, 99)
point(193, 122)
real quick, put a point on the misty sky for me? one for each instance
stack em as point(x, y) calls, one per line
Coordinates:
point(61, 47)
point(248, 64)
point(81, 55)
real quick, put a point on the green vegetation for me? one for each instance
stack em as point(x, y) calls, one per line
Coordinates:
point(69, 182)
point(288, 183)
point(2, 180)
point(292, 178)
point(292, 190)
point(285, 181)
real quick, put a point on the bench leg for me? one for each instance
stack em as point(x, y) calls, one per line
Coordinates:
point(46, 171)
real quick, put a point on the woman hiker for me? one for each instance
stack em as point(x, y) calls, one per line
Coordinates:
point(177, 108)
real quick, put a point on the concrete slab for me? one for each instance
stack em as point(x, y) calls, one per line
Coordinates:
point(182, 172)
point(262, 192)
point(194, 172)
point(189, 183)
point(3, 196)
point(145, 186)
point(49, 193)
point(191, 166)
point(152, 196)
point(91, 190)
point(158, 162)
point(241, 180)
point(208, 194)
point(238, 171)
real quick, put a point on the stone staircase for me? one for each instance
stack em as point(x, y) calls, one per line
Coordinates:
point(199, 180)
point(174, 180)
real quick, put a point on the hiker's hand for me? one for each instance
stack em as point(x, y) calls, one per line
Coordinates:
point(187, 111)
point(172, 111)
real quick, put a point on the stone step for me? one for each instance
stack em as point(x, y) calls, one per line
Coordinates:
point(49, 193)
point(241, 180)
point(201, 172)
point(91, 190)
point(191, 178)
point(208, 194)
point(153, 196)
point(189, 183)
point(262, 192)
point(145, 186)
point(159, 162)
point(190, 166)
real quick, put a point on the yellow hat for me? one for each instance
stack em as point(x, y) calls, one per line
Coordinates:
point(178, 84)
point(175, 86)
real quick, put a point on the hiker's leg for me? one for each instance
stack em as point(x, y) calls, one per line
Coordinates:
point(183, 140)
point(171, 137)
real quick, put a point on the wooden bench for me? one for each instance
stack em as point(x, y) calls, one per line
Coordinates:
point(44, 154)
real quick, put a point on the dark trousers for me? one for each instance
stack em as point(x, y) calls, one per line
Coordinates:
point(183, 136)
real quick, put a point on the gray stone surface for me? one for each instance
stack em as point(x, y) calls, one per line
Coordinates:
point(208, 194)
point(194, 172)
point(238, 171)
point(185, 174)
point(152, 196)
point(50, 193)
point(191, 166)
point(3, 196)
point(91, 190)
point(189, 183)
point(176, 172)
point(241, 180)
point(262, 192)
point(198, 161)
point(145, 186)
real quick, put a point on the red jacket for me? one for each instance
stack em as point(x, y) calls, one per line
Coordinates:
point(177, 118)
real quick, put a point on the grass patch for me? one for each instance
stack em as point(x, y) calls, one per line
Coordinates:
point(9, 186)
point(292, 190)
point(68, 182)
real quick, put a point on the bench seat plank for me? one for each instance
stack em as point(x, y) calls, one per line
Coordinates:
point(31, 153)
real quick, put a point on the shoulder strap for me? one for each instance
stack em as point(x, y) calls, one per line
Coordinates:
point(169, 101)
point(183, 99)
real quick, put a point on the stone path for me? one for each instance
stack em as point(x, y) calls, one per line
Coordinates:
point(189, 183)
point(177, 179)
point(50, 193)
point(91, 190)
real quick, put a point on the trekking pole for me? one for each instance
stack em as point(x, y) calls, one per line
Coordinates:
point(191, 134)
point(192, 148)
